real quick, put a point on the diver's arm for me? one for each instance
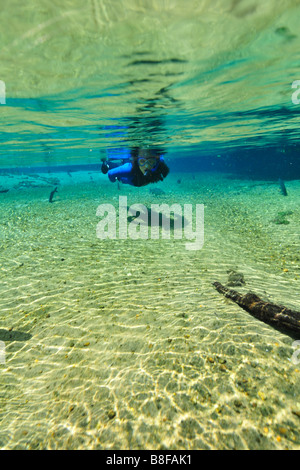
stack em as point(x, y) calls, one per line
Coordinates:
point(121, 173)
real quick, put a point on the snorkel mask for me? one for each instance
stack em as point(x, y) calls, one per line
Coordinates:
point(150, 164)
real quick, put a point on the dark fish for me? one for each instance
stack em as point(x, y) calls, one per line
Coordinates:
point(282, 187)
point(157, 191)
point(52, 194)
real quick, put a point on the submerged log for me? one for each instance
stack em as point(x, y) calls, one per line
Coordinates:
point(275, 315)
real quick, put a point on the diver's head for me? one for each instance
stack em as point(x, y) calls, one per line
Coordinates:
point(147, 161)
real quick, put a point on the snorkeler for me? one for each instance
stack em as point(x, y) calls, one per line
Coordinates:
point(143, 167)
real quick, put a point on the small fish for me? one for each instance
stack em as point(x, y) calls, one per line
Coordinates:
point(157, 191)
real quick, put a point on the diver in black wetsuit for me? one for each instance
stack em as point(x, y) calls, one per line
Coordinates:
point(145, 166)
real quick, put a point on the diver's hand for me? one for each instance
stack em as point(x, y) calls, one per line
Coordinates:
point(104, 168)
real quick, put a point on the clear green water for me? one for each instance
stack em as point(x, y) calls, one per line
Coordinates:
point(125, 344)
point(193, 76)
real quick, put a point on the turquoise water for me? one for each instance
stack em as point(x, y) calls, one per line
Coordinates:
point(201, 79)
point(124, 343)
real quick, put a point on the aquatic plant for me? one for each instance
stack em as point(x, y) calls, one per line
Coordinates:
point(280, 218)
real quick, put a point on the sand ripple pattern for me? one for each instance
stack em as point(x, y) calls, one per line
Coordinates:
point(126, 345)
